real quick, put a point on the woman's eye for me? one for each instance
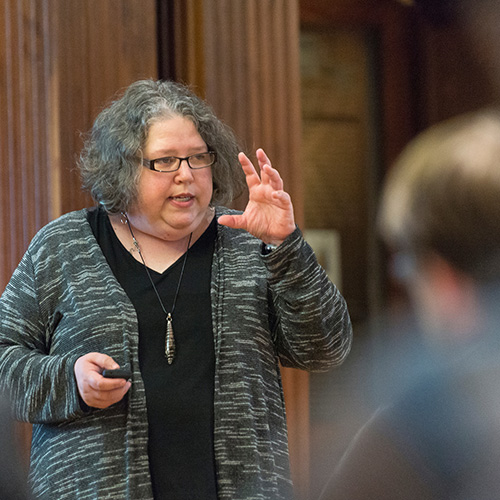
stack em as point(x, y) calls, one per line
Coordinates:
point(169, 160)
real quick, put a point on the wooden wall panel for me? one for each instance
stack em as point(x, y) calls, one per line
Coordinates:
point(391, 20)
point(61, 60)
point(252, 78)
point(103, 47)
point(24, 150)
point(453, 79)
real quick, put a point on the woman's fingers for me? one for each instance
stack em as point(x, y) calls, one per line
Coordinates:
point(251, 174)
point(234, 221)
point(104, 398)
point(268, 175)
point(262, 157)
point(272, 177)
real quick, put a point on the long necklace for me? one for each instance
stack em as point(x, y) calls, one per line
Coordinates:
point(169, 333)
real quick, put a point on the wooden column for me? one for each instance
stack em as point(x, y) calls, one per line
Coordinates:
point(243, 57)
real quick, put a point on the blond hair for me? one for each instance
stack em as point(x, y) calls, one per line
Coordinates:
point(443, 195)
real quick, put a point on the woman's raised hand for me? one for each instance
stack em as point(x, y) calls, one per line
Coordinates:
point(269, 212)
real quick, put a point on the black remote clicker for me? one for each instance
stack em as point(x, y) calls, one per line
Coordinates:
point(117, 373)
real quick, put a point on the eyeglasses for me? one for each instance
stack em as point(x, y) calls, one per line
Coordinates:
point(173, 163)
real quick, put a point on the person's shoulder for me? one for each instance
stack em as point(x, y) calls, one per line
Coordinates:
point(67, 218)
point(62, 228)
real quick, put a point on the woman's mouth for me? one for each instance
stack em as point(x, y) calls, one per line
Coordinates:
point(182, 198)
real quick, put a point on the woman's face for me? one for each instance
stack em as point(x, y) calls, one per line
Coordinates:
point(170, 205)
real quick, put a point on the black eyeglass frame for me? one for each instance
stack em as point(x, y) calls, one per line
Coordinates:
point(151, 163)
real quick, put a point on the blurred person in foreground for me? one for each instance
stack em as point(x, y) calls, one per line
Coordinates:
point(200, 303)
point(440, 213)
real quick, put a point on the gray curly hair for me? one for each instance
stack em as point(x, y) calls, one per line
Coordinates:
point(110, 161)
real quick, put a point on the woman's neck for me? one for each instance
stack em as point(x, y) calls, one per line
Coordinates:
point(158, 253)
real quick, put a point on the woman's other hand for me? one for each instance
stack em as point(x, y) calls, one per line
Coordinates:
point(269, 212)
point(94, 389)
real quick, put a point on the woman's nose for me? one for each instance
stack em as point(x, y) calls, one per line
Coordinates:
point(184, 171)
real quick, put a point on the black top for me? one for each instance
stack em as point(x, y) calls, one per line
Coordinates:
point(179, 396)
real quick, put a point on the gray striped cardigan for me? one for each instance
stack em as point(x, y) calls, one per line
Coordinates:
point(63, 301)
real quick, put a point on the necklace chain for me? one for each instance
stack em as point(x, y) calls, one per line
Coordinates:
point(169, 333)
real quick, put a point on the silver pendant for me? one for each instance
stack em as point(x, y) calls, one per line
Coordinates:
point(169, 341)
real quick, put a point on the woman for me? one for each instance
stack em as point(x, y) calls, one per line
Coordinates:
point(198, 302)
